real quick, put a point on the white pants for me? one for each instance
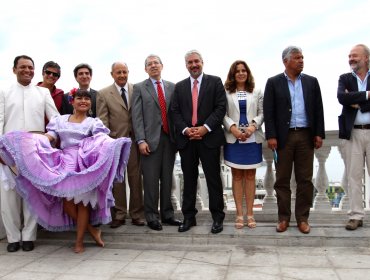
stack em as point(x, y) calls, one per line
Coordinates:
point(357, 150)
point(12, 206)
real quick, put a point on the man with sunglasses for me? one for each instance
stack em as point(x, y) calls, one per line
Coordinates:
point(50, 75)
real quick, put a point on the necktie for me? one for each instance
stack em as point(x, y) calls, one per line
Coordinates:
point(162, 104)
point(194, 95)
point(123, 94)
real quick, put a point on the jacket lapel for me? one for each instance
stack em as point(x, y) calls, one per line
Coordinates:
point(151, 90)
point(116, 96)
point(202, 89)
point(285, 88)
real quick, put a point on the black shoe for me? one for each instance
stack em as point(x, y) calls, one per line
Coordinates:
point(171, 221)
point(187, 224)
point(27, 246)
point(155, 225)
point(13, 247)
point(217, 227)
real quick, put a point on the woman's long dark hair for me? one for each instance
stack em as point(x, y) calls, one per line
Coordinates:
point(230, 83)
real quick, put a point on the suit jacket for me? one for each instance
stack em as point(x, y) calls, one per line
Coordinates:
point(211, 110)
point(348, 82)
point(277, 107)
point(113, 112)
point(254, 113)
point(146, 113)
point(68, 108)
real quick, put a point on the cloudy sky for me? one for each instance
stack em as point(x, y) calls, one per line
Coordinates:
point(101, 32)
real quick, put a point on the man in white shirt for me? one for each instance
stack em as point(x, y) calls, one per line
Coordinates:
point(22, 107)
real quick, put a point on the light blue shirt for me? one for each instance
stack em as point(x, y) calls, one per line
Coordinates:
point(299, 116)
point(362, 118)
point(155, 86)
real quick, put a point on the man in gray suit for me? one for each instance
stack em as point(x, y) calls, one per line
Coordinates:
point(113, 105)
point(154, 135)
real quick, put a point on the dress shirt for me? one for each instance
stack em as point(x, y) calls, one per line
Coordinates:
point(191, 86)
point(299, 117)
point(126, 91)
point(362, 118)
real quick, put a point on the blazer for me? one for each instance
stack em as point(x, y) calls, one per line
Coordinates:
point(254, 113)
point(277, 107)
point(348, 95)
point(211, 110)
point(113, 112)
point(146, 113)
point(68, 108)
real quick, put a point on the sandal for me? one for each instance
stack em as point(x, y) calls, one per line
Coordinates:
point(251, 222)
point(239, 223)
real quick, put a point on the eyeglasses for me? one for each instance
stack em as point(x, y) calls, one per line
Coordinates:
point(56, 75)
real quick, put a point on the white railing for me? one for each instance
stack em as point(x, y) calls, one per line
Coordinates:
point(321, 204)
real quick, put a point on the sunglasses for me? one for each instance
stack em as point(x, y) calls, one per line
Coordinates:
point(56, 75)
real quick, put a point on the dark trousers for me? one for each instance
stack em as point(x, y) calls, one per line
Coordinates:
point(157, 171)
point(193, 152)
point(298, 150)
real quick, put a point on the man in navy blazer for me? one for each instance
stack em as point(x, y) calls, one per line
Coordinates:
point(199, 136)
point(354, 126)
point(294, 124)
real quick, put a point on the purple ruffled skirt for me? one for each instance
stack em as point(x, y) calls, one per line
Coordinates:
point(84, 173)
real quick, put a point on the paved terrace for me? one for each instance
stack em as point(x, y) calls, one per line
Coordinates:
point(131, 252)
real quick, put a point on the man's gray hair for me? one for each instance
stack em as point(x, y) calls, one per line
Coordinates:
point(287, 52)
point(114, 64)
point(193, 52)
point(366, 51)
point(153, 55)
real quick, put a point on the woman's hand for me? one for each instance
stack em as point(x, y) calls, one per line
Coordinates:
point(238, 134)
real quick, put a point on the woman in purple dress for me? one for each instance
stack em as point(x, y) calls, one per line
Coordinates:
point(70, 187)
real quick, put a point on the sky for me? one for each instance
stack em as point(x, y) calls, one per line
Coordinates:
point(102, 32)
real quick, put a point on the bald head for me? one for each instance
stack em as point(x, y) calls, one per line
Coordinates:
point(120, 73)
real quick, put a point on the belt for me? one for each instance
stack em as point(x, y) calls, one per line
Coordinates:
point(362, 126)
point(298, 128)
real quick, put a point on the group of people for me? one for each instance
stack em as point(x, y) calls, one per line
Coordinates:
point(72, 176)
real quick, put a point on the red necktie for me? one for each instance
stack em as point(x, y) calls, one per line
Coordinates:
point(162, 104)
point(194, 94)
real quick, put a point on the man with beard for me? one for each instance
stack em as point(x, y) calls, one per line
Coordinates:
point(354, 126)
point(294, 123)
point(198, 108)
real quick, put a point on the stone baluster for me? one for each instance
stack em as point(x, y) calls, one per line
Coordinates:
point(321, 202)
point(293, 189)
point(269, 201)
point(344, 202)
point(175, 193)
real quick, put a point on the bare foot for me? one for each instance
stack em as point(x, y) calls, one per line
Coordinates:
point(96, 235)
point(79, 248)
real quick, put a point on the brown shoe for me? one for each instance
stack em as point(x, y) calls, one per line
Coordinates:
point(304, 227)
point(117, 223)
point(138, 222)
point(353, 224)
point(282, 226)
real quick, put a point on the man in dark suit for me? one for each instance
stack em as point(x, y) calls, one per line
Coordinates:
point(153, 129)
point(294, 123)
point(83, 75)
point(113, 105)
point(354, 127)
point(198, 108)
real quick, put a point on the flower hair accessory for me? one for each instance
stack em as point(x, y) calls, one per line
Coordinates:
point(71, 95)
